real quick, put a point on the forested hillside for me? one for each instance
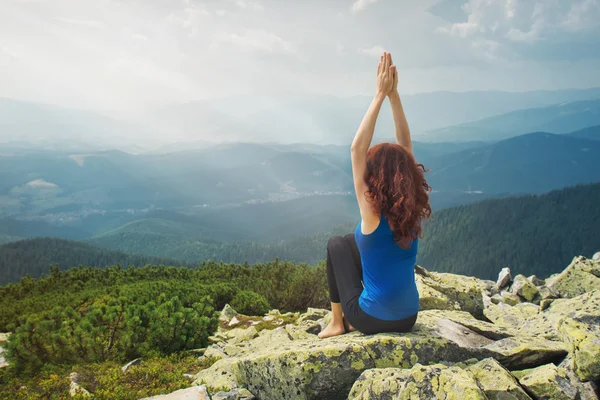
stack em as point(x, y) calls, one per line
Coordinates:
point(530, 234)
point(33, 257)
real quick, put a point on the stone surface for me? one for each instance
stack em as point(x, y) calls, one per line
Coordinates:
point(432, 382)
point(596, 256)
point(510, 298)
point(452, 339)
point(581, 276)
point(495, 381)
point(581, 333)
point(547, 382)
point(536, 281)
point(3, 362)
point(75, 390)
point(233, 394)
point(227, 313)
point(504, 278)
point(276, 366)
point(525, 289)
point(462, 292)
point(192, 393)
point(130, 364)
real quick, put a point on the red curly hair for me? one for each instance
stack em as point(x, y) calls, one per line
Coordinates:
point(397, 186)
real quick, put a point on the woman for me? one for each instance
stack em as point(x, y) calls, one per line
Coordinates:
point(381, 253)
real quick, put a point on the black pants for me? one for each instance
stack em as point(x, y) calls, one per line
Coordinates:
point(344, 274)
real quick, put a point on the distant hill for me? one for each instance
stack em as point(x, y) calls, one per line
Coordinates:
point(592, 133)
point(557, 118)
point(533, 163)
point(33, 256)
point(530, 234)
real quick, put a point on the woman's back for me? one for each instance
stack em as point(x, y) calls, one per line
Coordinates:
point(390, 291)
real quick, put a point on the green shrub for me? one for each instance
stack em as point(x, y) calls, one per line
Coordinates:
point(250, 303)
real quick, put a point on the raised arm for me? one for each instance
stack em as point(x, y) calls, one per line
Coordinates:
point(400, 122)
point(364, 135)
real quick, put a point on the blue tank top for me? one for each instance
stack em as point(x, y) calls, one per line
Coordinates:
point(390, 291)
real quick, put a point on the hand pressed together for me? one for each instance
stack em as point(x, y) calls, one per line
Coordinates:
point(387, 76)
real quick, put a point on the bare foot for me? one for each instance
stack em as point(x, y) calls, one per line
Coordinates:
point(332, 330)
point(349, 327)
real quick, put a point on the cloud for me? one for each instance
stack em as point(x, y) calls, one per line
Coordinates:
point(255, 40)
point(249, 4)
point(360, 5)
point(79, 22)
point(496, 27)
point(374, 51)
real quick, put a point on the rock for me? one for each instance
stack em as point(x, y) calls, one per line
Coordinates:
point(215, 351)
point(313, 368)
point(495, 381)
point(581, 276)
point(507, 316)
point(510, 298)
point(234, 394)
point(581, 333)
point(430, 382)
point(233, 321)
point(547, 382)
point(238, 335)
point(587, 390)
point(192, 393)
point(3, 362)
point(227, 313)
point(312, 314)
point(130, 364)
point(268, 318)
point(74, 389)
point(431, 299)
point(504, 278)
point(462, 292)
point(536, 281)
point(596, 256)
point(547, 293)
point(497, 298)
point(544, 304)
point(4, 336)
point(525, 289)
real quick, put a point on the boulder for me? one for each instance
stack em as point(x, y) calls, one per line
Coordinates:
point(227, 314)
point(587, 390)
point(463, 292)
point(495, 381)
point(547, 293)
point(233, 394)
point(214, 351)
point(525, 289)
point(504, 278)
point(75, 390)
point(596, 256)
point(581, 276)
point(3, 362)
point(510, 298)
point(497, 298)
point(312, 314)
point(192, 393)
point(313, 368)
point(431, 299)
point(431, 382)
point(547, 382)
point(581, 333)
point(536, 281)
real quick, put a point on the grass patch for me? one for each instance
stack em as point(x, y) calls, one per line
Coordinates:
point(106, 380)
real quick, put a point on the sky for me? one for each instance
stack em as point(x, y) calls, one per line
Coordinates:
point(142, 54)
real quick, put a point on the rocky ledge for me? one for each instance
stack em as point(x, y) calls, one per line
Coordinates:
point(517, 338)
